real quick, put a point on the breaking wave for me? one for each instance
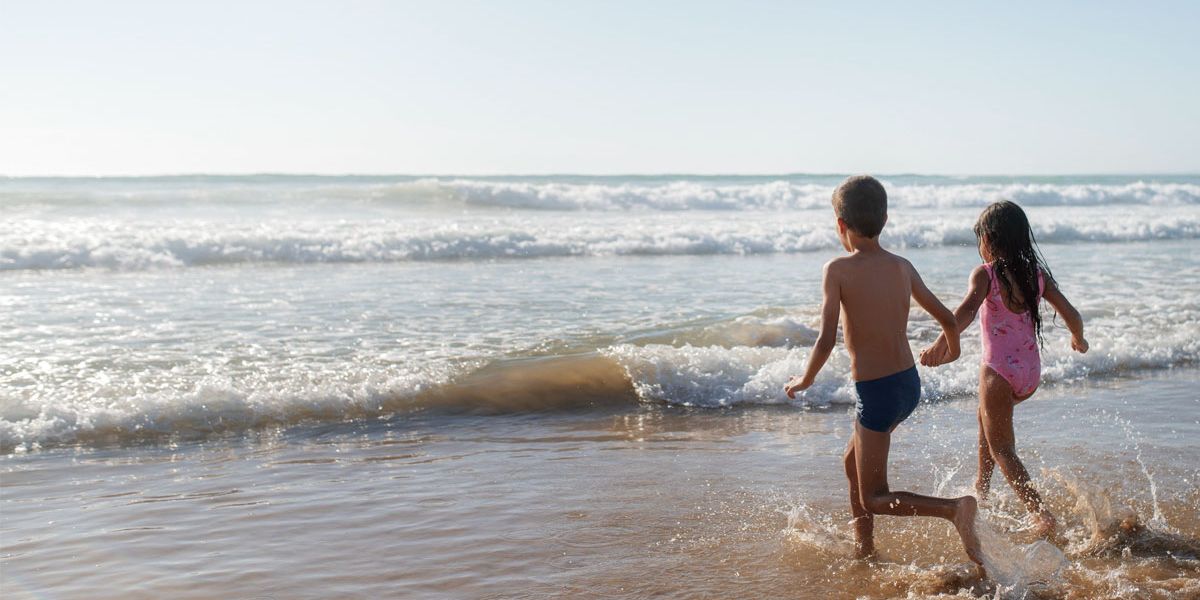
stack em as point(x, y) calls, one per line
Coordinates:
point(611, 193)
point(788, 195)
point(744, 361)
point(133, 245)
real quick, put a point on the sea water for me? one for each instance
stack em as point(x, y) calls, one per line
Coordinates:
point(198, 317)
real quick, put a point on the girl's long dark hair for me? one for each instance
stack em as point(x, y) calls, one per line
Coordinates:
point(1005, 229)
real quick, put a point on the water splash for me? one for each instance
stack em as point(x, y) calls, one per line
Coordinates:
point(1018, 569)
point(1133, 436)
point(807, 528)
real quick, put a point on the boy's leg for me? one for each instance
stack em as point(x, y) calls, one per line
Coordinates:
point(864, 521)
point(870, 453)
point(996, 409)
point(983, 479)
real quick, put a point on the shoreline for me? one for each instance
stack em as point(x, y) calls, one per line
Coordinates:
point(599, 503)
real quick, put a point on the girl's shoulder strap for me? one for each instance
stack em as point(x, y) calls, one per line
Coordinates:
point(990, 267)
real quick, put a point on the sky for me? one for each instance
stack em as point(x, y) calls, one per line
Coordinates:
point(598, 87)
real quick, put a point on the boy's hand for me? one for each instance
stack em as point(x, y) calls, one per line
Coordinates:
point(938, 353)
point(796, 384)
point(933, 355)
point(1079, 344)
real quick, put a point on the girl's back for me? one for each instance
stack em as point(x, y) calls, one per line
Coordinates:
point(1010, 341)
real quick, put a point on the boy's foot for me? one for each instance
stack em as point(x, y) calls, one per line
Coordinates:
point(1044, 525)
point(965, 510)
point(864, 550)
point(864, 536)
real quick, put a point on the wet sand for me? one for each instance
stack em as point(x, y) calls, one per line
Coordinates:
point(617, 501)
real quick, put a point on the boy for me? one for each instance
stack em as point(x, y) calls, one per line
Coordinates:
point(872, 287)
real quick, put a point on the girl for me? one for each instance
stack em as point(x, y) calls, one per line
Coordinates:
point(1008, 286)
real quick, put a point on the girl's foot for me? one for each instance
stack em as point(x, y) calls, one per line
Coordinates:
point(965, 511)
point(1044, 525)
point(981, 489)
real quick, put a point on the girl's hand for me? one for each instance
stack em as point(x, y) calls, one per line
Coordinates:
point(795, 384)
point(1079, 344)
point(936, 354)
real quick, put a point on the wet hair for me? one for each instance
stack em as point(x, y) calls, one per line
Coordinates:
point(861, 202)
point(1005, 230)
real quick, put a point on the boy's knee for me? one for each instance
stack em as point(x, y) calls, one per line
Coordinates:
point(874, 504)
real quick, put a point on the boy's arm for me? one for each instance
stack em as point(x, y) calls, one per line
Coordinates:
point(1067, 311)
point(939, 312)
point(831, 307)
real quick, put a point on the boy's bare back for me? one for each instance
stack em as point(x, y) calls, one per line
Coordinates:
point(875, 288)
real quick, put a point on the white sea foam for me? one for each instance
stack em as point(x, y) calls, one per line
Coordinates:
point(105, 409)
point(133, 224)
point(787, 195)
point(723, 375)
point(577, 194)
point(129, 244)
point(744, 360)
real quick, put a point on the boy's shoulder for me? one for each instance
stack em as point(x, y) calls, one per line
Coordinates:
point(853, 261)
point(839, 266)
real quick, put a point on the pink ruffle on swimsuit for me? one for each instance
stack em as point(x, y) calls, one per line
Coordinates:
point(1010, 345)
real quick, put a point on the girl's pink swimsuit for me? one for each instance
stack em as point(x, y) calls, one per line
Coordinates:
point(1010, 345)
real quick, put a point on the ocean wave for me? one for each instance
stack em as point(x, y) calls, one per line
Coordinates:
point(787, 195)
point(748, 361)
point(730, 374)
point(600, 194)
point(138, 245)
point(715, 376)
point(125, 410)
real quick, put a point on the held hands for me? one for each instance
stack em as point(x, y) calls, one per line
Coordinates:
point(938, 353)
point(1079, 344)
point(796, 384)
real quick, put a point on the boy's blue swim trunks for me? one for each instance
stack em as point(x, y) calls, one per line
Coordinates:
point(885, 402)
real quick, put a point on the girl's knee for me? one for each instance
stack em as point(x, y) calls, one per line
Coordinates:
point(1006, 457)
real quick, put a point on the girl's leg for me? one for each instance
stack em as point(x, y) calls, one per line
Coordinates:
point(864, 521)
point(983, 480)
point(996, 408)
point(870, 455)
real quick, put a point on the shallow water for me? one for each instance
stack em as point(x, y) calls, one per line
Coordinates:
point(632, 502)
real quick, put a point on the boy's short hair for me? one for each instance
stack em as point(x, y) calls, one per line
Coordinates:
point(861, 202)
